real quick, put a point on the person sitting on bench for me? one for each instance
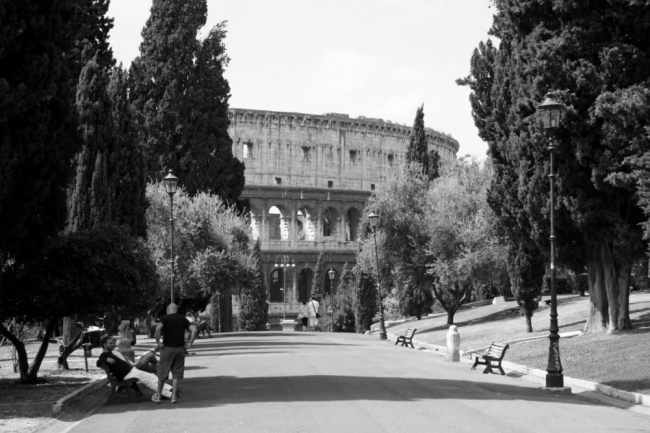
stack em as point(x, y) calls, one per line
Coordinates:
point(201, 325)
point(123, 369)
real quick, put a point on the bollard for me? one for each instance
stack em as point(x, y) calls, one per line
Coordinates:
point(453, 344)
point(88, 352)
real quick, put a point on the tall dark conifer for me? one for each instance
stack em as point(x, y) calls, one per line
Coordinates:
point(594, 58)
point(253, 307)
point(38, 122)
point(317, 288)
point(130, 204)
point(418, 149)
point(90, 199)
point(365, 302)
point(181, 99)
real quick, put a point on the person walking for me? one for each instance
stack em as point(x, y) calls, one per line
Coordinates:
point(123, 369)
point(313, 307)
point(172, 328)
point(303, 315)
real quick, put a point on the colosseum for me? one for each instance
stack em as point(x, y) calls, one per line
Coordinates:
point(307, 179)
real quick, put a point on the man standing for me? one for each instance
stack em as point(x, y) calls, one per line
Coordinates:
point(172, 356)
point(313, 314)
point(122, 369)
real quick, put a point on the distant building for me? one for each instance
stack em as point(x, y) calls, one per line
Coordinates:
point(307, 179)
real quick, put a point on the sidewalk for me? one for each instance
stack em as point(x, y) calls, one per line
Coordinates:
point(92, 380)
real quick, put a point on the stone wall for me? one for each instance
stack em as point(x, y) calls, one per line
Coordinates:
point(323, 151)
point(308, 178)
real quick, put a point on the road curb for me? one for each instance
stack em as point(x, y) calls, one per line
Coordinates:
point(627, 396)
point(47, 407)
point(85, 390)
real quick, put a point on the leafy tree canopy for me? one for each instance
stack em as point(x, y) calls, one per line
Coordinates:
point(89, 272)
point(594, 58)
point(210, 243)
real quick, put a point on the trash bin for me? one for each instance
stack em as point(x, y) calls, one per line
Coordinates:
point(88, 350)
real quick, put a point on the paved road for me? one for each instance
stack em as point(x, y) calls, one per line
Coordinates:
point(320, 382)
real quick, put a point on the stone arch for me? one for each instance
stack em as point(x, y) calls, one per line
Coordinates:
point(275, 286)
point(305, 281)
point(278, 221)
point(352, 224)
point(329, 222)
point(306, 223)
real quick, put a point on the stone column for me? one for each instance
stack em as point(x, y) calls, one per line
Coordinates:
point(340, 223)
point(293, 232)
point(264, 230)
point(319, 222)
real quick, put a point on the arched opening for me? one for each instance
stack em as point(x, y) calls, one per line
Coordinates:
point(278, 223)
point(305, 224)
point(304, 284)
point(330, 217)
point(352, 222)
point(277, 281)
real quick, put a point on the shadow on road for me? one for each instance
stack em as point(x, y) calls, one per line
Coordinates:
point(224, 390)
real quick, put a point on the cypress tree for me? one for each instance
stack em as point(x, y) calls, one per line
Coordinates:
point(418, 149)
point(130, 204)
point(91, 193)
point(253, 310)
point(317, 289)
point(181, 96)
point(365, 302)
point(344, 302)
point(38, 123)
point(593, 58)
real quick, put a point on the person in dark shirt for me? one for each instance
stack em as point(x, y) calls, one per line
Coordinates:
point(122, 368)
point(172, 328)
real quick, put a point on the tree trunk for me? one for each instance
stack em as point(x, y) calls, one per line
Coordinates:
point(32, 374)
point(29, 373)
point(529, 322)
point(23, 364)
point(450, 316)
point(75, 344)
point(609, 290)
point(69, 330)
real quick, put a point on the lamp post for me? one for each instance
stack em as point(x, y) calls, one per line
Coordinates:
point(374, 221)
point(331, 274)
point(171, 182)
point(285, 262)
point(551, 112)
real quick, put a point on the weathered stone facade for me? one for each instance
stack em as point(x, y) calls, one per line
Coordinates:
point(307, 179)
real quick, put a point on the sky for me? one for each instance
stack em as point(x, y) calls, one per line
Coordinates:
point(373, 58)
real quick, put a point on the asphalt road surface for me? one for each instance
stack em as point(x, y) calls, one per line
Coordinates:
point(320, 382)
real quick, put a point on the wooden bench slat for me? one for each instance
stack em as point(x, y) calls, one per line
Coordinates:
point(495, 354)
point(407, 338)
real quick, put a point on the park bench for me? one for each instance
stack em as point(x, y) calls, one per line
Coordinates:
point(407, 339)
point(495, 354)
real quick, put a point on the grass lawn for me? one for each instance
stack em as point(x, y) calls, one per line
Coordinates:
point(619, 360)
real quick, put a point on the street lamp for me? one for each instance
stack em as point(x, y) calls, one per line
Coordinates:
point(374, 220)
point(284, 262)
point(332, 274)
point(171, 182)
point(551, 112)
